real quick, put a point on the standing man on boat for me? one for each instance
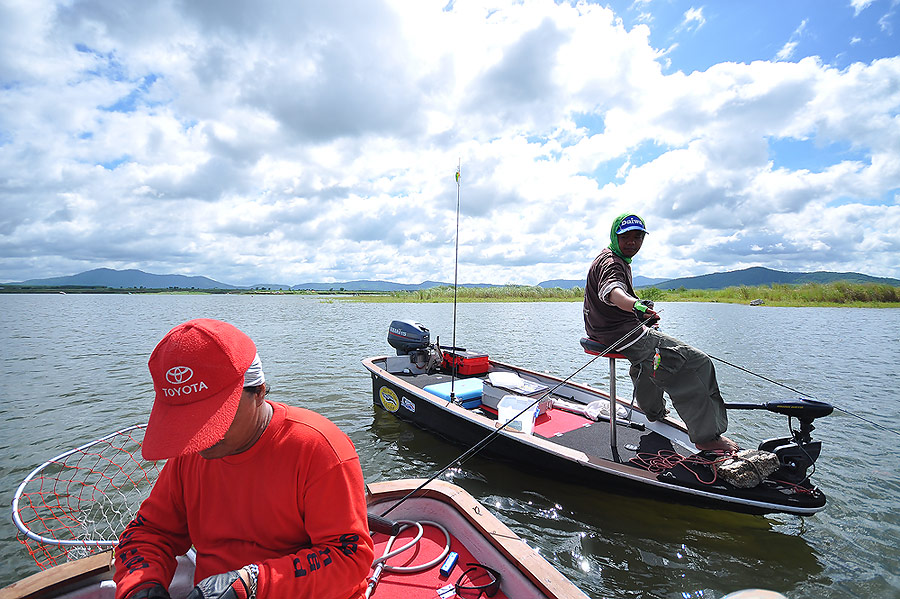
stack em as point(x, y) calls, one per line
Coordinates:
point(659, 362)
point(270, 496)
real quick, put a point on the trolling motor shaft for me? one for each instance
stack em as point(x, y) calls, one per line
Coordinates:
point(798, 452)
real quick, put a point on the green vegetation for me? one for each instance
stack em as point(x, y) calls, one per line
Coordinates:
point(840, 293)
point(81, 289)
point(505, 293)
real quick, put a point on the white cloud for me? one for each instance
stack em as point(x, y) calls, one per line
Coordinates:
point(859, 6)
point(301, 142)
point(693, 19)
point(787, 51)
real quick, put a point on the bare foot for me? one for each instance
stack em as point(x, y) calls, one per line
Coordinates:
point(720, 443)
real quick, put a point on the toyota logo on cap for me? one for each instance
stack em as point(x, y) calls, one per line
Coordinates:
point(179, 374)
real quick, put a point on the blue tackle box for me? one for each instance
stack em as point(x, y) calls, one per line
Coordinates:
point(467, 391)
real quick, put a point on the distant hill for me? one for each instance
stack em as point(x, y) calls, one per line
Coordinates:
point(759, 275)
point(136, 279)
point(129, 279)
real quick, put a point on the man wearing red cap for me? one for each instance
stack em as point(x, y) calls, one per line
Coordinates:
point(271, 497)
point(659, 362)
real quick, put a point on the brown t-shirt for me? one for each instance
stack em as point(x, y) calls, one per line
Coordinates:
point(604, 322)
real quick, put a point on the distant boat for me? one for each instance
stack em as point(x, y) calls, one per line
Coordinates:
point(757, 302)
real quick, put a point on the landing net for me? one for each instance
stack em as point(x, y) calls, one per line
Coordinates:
point(79, 502)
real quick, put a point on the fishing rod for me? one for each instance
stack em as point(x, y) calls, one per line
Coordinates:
point(798, 392)
point(463, 458)
point(455, 281)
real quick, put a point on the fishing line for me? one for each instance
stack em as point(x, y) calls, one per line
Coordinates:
point(780, 384)
point(463, 458)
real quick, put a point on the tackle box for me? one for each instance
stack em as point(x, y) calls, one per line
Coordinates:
point(467, 391)
point(467, 363)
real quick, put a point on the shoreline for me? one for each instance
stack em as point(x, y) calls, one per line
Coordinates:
point(830, 295)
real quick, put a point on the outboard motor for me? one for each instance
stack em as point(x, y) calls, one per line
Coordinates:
point(798, 452)
point(406, 336)
point(413, 344)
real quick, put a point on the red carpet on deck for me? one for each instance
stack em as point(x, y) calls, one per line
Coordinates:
point(553, 422)
point(557, 421)
point(394, 585)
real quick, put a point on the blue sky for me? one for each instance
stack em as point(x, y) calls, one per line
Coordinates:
point(290, 142)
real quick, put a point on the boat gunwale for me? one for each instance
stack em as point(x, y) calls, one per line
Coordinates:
point(82, 572)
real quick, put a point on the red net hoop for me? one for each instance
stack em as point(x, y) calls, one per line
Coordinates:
point(79, 502)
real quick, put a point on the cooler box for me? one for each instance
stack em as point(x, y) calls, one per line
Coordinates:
point(467, 391)
point(492, 395)
point(467, 363)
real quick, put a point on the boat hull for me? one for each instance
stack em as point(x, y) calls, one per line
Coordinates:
point(589, 463)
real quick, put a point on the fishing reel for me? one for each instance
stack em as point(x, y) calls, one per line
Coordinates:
point(799, 452)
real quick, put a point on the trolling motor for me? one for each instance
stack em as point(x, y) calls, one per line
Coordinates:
point(415, 351)
point(797, 452)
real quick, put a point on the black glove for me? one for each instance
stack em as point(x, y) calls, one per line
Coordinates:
point(152, 591)
point(221, 586)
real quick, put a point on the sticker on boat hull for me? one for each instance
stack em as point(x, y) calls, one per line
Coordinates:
point(408, 404)
point(389, 399)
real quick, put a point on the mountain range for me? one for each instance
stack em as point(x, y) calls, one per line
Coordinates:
point(137, 279)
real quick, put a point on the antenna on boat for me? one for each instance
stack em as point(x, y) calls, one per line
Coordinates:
point(455, 282)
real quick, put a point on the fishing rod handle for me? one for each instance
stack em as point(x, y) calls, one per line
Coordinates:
point(383, 525)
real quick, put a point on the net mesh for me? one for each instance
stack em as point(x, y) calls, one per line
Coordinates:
point(79, 502)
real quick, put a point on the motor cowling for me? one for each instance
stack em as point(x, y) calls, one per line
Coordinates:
point(407, 336)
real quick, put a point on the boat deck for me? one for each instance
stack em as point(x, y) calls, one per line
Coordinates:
point(575, 431)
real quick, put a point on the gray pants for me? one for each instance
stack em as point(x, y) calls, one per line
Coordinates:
point(686, 374)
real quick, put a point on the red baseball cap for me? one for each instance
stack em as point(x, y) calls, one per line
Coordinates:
point(198, 375)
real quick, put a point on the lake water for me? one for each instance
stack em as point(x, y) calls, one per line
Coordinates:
point(74, 367)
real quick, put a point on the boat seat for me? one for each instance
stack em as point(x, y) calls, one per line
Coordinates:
point(595, 348)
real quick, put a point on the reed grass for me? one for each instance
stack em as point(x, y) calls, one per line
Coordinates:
point(505, 293)
point(840, 293)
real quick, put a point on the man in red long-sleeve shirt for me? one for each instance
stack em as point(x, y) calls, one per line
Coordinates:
point(270, 496)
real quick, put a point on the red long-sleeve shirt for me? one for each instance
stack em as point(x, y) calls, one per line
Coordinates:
point(294, 504)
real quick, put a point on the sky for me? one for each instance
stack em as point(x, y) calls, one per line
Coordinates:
point(286, 142)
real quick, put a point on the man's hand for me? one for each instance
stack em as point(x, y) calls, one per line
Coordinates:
point(643, 309)
point(229, 585)
point(152, 591)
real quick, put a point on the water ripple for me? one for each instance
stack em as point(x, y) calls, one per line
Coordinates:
point(75, 368)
